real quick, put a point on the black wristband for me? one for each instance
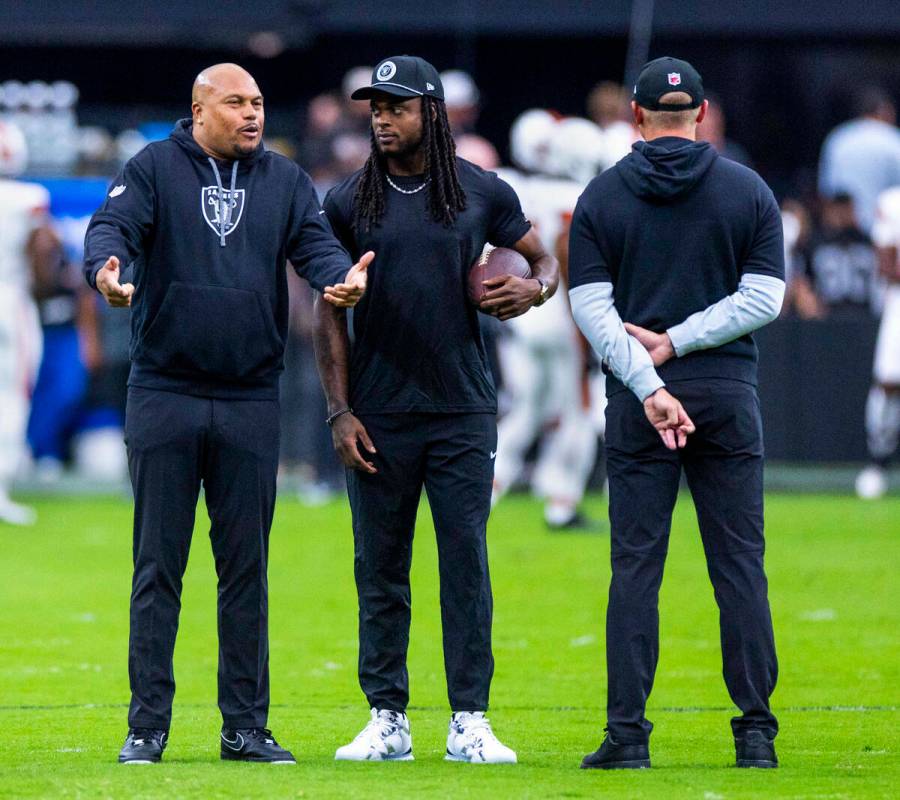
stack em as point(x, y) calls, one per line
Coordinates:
point(330, 421)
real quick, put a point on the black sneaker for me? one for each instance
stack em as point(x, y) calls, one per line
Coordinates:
point(613, 755)
point(253, 744)
point(755, 749)
point(143, 746)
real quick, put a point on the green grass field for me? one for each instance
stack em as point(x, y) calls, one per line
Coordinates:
point(832, 565)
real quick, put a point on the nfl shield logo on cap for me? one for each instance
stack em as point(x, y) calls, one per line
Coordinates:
point(674, 79)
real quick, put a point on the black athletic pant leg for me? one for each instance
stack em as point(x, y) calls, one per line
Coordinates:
point(724, 466)
point(165, 435)
point(458, 478)
point(384, 509)
point(240, 471)
point(643, 486)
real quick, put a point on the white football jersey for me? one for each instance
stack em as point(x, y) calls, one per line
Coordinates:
point(886, 231)
point(23, 207)
point(549, 204)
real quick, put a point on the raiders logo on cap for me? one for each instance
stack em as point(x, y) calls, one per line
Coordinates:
point(402, 76)
point(387, 71)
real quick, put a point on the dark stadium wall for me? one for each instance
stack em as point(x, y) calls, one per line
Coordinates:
point(200, 24)
point(814, 377)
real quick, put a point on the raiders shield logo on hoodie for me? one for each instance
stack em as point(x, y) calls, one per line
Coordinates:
point(231, 206)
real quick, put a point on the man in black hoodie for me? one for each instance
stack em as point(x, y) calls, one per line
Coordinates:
point(687, 247)
point(209, 322)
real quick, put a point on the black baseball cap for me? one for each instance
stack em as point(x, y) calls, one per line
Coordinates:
point(403, 76)
point(664, 75)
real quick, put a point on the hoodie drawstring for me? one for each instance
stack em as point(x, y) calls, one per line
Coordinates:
point(224, 206)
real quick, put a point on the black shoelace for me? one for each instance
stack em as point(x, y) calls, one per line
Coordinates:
point(259, 733)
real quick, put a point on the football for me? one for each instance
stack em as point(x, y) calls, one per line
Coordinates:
point(494, 262)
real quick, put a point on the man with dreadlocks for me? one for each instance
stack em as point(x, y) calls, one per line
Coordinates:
point(417, 385)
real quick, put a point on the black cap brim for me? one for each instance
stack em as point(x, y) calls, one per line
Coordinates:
point(393, 89)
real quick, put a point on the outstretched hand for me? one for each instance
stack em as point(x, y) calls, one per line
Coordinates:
point(116, 294)
point(668, 416)
point(658, 345)
point(348, 293)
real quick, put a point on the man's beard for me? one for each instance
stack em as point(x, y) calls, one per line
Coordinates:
point(408, 150)
point(238, 152)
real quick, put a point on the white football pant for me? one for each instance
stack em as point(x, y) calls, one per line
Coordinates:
point(545, 386)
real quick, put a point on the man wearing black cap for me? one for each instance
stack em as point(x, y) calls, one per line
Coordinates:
point(686, 246)
point(416, 392)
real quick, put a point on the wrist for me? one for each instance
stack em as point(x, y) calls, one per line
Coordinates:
point(670, 348)
point(680, 337)
point(336, 415)
point(333, 406)
point(543, 291)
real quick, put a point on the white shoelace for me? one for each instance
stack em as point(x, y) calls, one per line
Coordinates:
point(478, 728)
point(378, 728)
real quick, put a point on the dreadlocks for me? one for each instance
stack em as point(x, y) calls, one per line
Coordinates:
point(446, 197)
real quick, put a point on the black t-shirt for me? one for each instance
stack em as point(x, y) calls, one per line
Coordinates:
point(842, 266)
point(416, 343)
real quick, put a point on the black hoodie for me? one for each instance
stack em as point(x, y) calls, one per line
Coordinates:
point(673, 226)
point(209, 242)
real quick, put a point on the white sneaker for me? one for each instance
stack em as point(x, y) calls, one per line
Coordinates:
point(16, 514)
point(871, 483)
point(471, 739)
point(385, 738)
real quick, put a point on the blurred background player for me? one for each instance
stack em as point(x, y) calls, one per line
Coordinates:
point(462, 98)
point(57, 402)
point(541, 356)
point(838, 264)
point(883, 404)
point(861, 157)
point(712, 130)
point(23, 234)
point(607, 107)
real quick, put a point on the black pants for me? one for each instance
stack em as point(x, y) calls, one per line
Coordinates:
point(723, 463)
point(452, 456)
point(175, 443)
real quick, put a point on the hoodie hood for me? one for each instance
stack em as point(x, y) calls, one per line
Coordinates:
point(666, 167)
point(183, 134)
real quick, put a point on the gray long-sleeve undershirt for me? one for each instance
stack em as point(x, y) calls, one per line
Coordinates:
point(756, 302)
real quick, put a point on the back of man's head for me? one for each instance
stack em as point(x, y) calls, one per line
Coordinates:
point(663, 120)
point(668, 99)
point(875, 103)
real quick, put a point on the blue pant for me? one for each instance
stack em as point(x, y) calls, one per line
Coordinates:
point(61, 384)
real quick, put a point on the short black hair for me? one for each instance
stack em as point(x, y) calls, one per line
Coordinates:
point(871, 100)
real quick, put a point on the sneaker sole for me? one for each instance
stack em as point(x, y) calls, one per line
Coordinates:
point(139, 761)
point(636, 764)
point(461, 760)
point(230, 757)
point(402, 757)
